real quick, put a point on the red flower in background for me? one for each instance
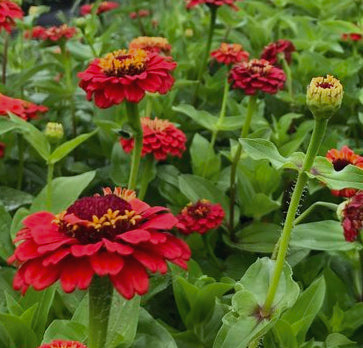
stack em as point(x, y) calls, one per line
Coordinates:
point(271, 51)
point(200, 217)
point(160, 138)
point(114, 235)
point(22, 108)
point(340, 159)
point(352, 37)
point(63, 344)
point(353, 217)
point(230, 54)
point(53, 34)
point(2, 149)
point(257, 75)
point(231, 3)
point(139, 14)
point(151, 44)
point(126, 74)
point(8, 12)
point(105, 6)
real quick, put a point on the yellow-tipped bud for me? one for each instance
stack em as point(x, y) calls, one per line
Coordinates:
point(54, 132)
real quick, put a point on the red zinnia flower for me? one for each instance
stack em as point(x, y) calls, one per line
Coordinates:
point(200, 217)
point(8, 12)
point(230, 54)
point(340, 159)
point(126, 74)
point(2, 149)
point(270, 52)
point(257, 75)
point(105, 6)
point(231, 3)
point(24, 109)
point(352, 37)
point(152, 44)
point(140, 14)
point(114, 235)
point(53, 34)
point(63, 344)
point(353, 217)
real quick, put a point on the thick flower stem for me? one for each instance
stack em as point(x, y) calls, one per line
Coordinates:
point(315, 142)
point(49, 186)
point(5, 58)
point(252, 103)
point(100, 299)
point(146, 176)
point(135, 123)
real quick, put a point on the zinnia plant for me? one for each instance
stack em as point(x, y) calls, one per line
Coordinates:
point(104, 6)
point(9, 11)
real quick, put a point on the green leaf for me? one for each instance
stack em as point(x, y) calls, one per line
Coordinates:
point(13, 198)
point(284, 334)
point(6, 125)
point(65, 330)
point(337, 340)
point(17, 222)
point(353, 317)
point(6, 245)
point(202, 117)
point(260, 205)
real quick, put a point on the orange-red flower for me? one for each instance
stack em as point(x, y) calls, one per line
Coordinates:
point(257, 75)
point(271, 51)
point(217, 3)
point(160, 138)
point(152, 44)
point(230, 54)
point(352, 37)
point(2, 149)
point(63, 344)
point(22, 108)
point(126, 74)
point(139, 14)
point(353, 217)
point(105, 6)
point(340, 159)
point(114, 235)
point(200, 217)
point(9, 11)
point(51, 34)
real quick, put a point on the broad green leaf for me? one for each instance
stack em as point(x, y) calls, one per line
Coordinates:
point(6, 125)
point(17, 222)
point(337, 340)
point(284, 334)
point(65, 330)
point(353, 317)
point(13, 199)
point(260, 205)
point(202, 117)
point(6, 245)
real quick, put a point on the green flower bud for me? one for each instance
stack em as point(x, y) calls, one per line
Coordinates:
point(54, 132)
point(80, 22)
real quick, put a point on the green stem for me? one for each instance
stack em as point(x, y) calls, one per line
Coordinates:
point(315, 142)
point(89, 42)
point(20, 142)
point(135, 123)
point(5, 58)
point(210, 251)
point(100, 299)
point(252, 103)
point(288, 73)
point(149, 106)
point(49, 186)
point(330, 206)
point(146, 176)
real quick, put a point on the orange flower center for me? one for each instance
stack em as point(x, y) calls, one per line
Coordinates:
point(155, 124)
point(230, 48)
point(147, 42)
point(200, 209)
point(259, 67)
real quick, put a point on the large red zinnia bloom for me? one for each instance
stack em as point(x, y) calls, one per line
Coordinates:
point(230, 54)
point(52, 34)
point(160, 138)
point(340, 159)
point(200, 217)
point(63, 344)
point(114, 235)
point(257, 75)
point(105, 6)
point(217, 3)
point(271, 51)
point(24, 109)
point(126, 75)
point(353, 217)
point(8, 12)
point(152, 44)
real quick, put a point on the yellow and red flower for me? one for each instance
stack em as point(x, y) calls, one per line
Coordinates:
point(257, 75)
point(160, 138)
point(22, 108)
point(114, 235)
point(126, 75)
point(353, 217)
point(63, 344)
point(230, 54)
point(216, 3)
point(151, 44)
point(340, 159)
point(51, 34)
point(271, 51)
point(105, 6)
point(9, 11)
point(200, 217)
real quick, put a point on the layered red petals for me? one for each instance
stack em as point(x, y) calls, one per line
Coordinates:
point(52, 34)
point(271, 51)
point(63, 344)
point(230, 54)
point(9, 11)
point(104, 6)
point(353, 217)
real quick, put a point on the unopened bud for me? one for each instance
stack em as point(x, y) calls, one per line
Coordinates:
point(188, 32)
point(54, 132)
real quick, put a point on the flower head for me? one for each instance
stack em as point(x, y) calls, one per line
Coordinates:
point(215, 3)
point(352, 37)
point(114, 235)
point(352, 217)
point(126, 74)
point(54, 132)
point(230, 54)
point(200, 217)
point(139, 14)
point(151, 44)
point(160, 138)
point(257, 75)
point(24, 109)
point(63, 344)
point(51, 34)
point(340, 159)
point(324, 96)
point(104, 6)
point(271, 51)
point(2, 149)
point(9, 11)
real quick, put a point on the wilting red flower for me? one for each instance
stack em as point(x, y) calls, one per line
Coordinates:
point(353, 217)
point(114, 235)
point(352, 37)
point(8, 12)
point(2, 149)
point(200, 217)
point(63, 344)
point(257, 75)
point(105, 6)
point(271, 51)
point(53, 34)
point(161, 138)
point(139, 14)
point(126, 74)
point(22, 108)
point(151, 44)
point(340, 159)
point(230, 54)
point(231, 3)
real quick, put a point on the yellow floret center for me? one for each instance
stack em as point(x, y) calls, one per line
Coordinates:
point(155, 124)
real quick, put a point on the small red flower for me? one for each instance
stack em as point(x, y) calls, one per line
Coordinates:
point(257, 75)
point(271, 51)
point(24, 109)
point(200, 217)
point(51, 34)
point(352, 37)
point(105, 6)
point(9, 11)
point(353, 217)
point(151, 44)
point(126, 74)
point(340, 159)
point(217, 3)
point(63, 344)
point(160, 138)
point(114, 235)
point(2, 149)
point(139, 14)
point(230, 54)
